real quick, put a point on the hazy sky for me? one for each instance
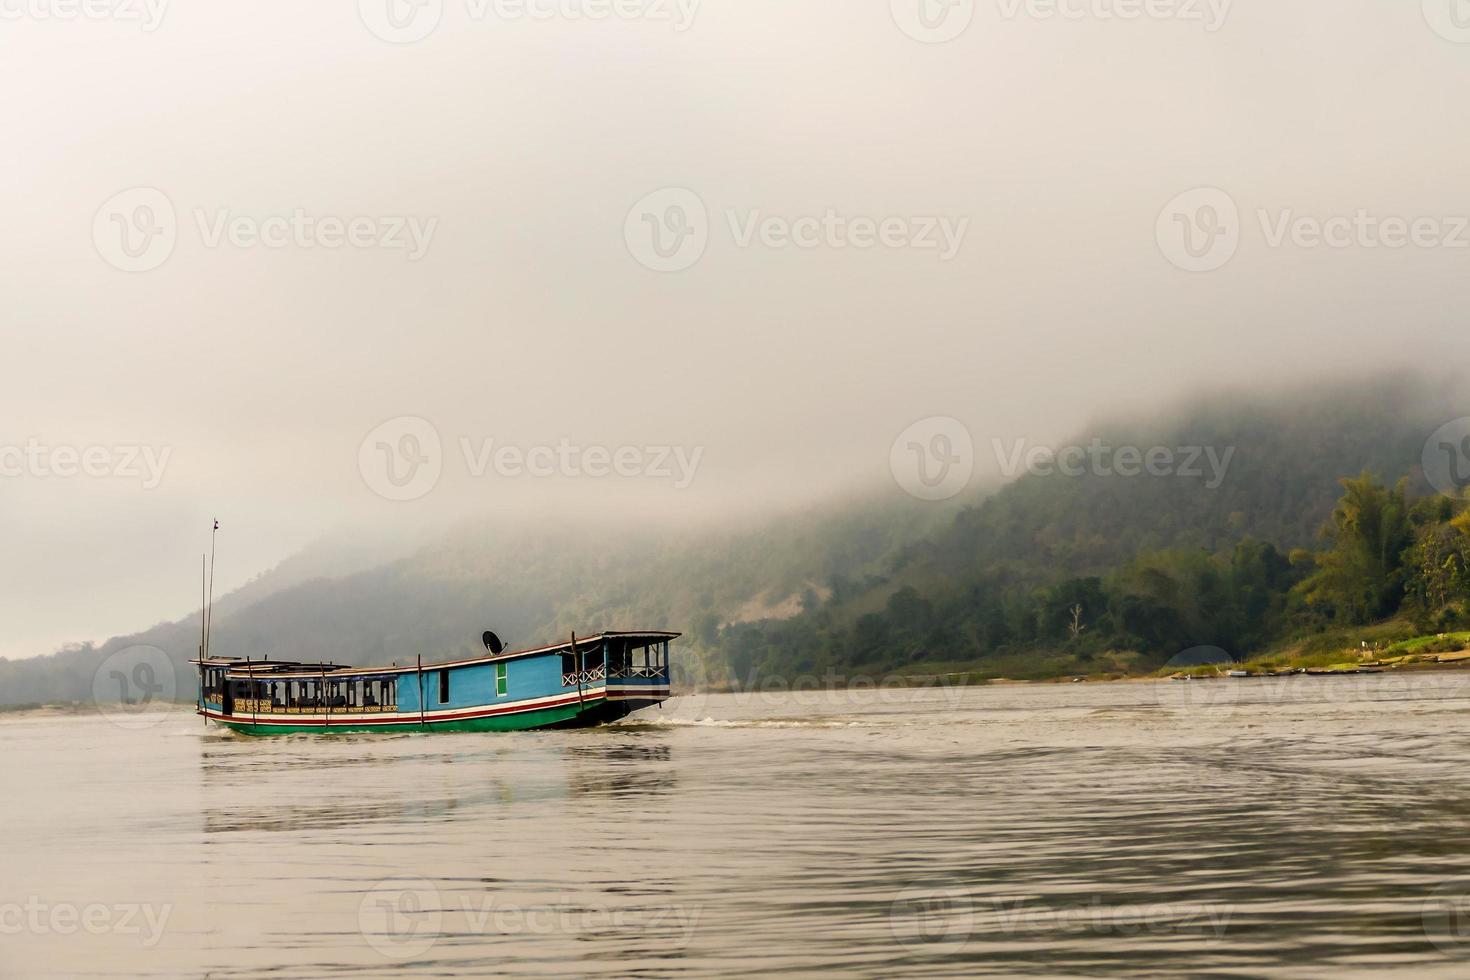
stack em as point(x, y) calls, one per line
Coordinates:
point(576, 233)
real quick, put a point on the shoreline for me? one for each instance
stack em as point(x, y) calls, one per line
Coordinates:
point(1415, 664)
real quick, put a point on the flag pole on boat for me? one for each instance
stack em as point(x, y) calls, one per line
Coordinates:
point(209, 606)
point(202, 559)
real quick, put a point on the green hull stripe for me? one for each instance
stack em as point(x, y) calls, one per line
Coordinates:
point(518, 721)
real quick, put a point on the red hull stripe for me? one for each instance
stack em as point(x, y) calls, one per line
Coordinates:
point(398, 719)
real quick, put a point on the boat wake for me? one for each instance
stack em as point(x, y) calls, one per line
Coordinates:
point(733, 723)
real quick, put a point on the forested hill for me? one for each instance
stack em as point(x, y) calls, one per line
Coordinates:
point(1100, 571)
point(1051, 572)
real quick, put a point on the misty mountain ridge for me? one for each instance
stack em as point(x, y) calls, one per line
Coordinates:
point(741, 594)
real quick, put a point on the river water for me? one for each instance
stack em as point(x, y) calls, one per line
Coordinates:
point(1314, 827)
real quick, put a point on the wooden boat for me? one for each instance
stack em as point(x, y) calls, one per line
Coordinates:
point(589, 681)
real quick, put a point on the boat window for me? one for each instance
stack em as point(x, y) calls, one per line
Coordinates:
point(443, 687)
point(500, 682)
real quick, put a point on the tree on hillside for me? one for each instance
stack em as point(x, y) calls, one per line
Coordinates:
point(1438, 564)
point(1361, 577)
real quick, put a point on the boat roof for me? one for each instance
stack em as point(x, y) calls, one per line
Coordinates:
point(250, 667)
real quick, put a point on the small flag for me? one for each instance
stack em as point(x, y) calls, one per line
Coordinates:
point(216, 525)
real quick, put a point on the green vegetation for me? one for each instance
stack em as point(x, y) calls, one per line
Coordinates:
point(1302, 609)
point(1444, 643)
point(1061, 575)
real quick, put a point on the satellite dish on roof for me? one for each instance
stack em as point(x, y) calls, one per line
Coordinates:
point(492, 642)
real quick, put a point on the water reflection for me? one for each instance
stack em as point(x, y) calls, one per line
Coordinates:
point(300, 783)
point(633, 768)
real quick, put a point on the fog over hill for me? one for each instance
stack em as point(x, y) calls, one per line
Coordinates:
point(742, 591)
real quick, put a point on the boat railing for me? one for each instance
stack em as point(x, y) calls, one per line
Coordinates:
point(584, 678)
point(655, 671)
point(261, 706)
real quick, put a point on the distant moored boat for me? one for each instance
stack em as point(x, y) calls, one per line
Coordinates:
point(589, 681)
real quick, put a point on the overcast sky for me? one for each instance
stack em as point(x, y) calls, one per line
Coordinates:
point(247, 249)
